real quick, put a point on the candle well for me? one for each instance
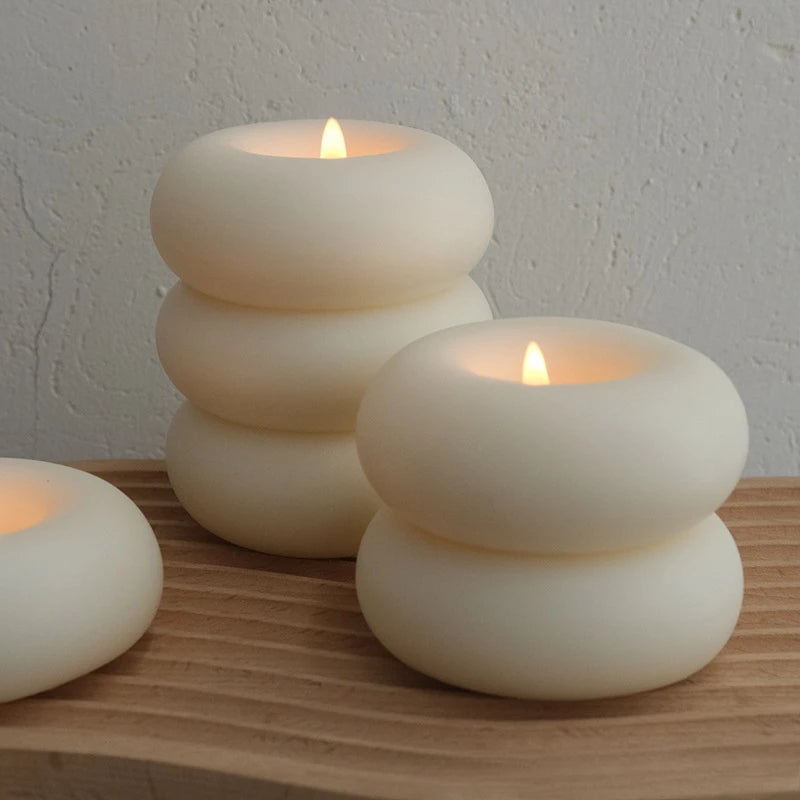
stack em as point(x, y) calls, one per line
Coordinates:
point(572, 356)
point(302, 138)
point(25, 503)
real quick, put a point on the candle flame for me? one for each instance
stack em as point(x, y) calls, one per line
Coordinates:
point(332, 145)
point(534, 369)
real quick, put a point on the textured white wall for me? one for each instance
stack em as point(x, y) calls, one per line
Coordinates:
point(643, 158)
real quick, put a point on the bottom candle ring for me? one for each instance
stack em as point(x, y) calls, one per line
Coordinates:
point(550, 627)
point(289, 494)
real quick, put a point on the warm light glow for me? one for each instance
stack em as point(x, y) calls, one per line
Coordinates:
point(534, 369)
point(19, 516)
point(333, 145)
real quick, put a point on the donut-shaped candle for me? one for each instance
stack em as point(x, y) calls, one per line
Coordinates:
point(308, 255)
point(294, 371)
point(254, 215)
point(290, 494)
point(634, 437)
point(80, 575)
point(553, 628)
point(550, 487)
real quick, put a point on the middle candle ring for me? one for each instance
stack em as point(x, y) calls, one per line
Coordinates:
point(294, 371)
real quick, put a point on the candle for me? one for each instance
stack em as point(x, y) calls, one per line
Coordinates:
point(304, 495)
point(636, 437)
point(309, 253)
point(253, 215)
point(549, 627)
point(298, 371)
point(80, 575)
point(551, 484)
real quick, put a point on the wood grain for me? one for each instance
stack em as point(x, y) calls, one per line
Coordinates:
point(259, 678)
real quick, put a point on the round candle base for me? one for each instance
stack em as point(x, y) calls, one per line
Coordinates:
point(80, 575)
point(550, 627)
point(290, 494)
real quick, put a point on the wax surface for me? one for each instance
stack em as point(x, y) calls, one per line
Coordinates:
point(294, 494)
point(550, 533)
point(557, 628)
point(296, 371)
point(79, 584)
point(452, 439)
point(237, 217)
point(300, 276)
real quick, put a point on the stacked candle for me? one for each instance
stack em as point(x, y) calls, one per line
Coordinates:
point(549, 489)
point(306, 261)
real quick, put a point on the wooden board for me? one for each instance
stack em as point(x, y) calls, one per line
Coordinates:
point(260, 679)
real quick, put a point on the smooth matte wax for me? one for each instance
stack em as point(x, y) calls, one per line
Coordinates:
point(637, 436)
point(560, 628)
point(252, 215)
point(80, 575)
point(294, 371)
point(300, 276)
point(548, 527)
point(291, 494)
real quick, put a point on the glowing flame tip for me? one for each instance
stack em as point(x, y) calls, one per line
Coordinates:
point(534, 368)
point(332, 145)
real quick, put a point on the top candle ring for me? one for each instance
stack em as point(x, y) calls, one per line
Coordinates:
point(635, 438)
point(255, 216)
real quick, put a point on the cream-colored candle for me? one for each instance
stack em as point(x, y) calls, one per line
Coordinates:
point(306, 261)
point(550, 627)
point(80, 575)
point(635, 437)
point(291, 494)
point(552, 484)
point(294, 371)
point(253, 215)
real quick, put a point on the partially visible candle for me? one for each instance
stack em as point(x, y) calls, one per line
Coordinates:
point(80, 575)
point(300, 371)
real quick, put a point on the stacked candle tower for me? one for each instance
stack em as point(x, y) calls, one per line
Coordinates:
point(306, 261)
point(549, 487)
